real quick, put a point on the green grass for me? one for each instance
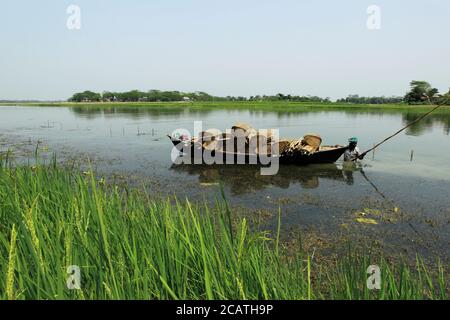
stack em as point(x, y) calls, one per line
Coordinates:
point(129, 246)
point(277, 106)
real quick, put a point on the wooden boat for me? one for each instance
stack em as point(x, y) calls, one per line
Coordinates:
point(324, 154)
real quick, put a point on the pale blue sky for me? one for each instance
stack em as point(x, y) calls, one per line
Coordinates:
point(230, 47)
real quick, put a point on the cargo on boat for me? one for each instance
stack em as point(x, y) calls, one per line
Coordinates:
point(244, 144)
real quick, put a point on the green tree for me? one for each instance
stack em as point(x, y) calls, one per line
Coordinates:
point(420, 91)
point(445, 99)
point(86, 96)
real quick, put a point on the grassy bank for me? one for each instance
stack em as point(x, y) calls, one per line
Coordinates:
point(245, 105)
point(129, 246)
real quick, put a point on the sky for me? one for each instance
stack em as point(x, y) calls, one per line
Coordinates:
point(232, 47)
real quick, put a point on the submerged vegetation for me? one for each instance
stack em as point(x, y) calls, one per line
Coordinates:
point(130, 246)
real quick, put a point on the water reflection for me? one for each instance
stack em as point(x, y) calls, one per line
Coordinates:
point(242, 179)
point(135, 113)
point(425, 124)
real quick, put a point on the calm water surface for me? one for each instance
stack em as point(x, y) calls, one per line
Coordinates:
point(324, 198)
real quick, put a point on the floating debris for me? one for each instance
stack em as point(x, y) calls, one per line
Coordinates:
point(391, 220)
point(344, 226)
point(366, 220)
point(369, 211)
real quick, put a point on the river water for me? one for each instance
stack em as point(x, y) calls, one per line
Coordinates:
point(407, 195)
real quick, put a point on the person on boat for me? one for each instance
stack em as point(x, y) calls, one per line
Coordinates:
point(352, 152)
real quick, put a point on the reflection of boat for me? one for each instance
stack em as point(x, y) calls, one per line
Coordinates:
point(245, 179)
point(324, 154)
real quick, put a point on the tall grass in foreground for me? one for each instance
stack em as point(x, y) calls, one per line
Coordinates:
point(131, 247)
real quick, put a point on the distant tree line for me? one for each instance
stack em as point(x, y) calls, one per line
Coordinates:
point(288, 97)
point(356, 99)
point(140, 96)
point(167, 96)
point(420, 92)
